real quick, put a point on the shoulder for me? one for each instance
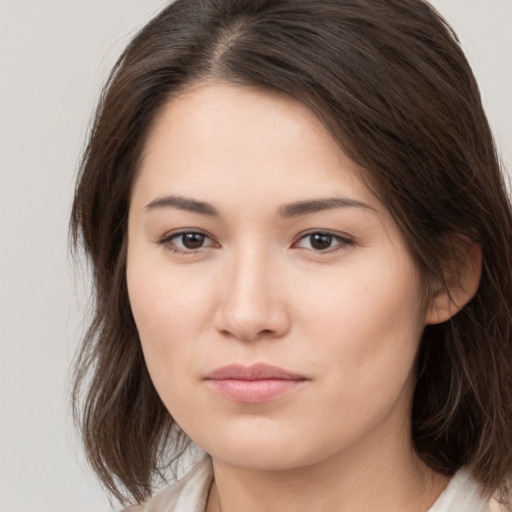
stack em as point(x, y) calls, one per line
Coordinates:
point(189, 494)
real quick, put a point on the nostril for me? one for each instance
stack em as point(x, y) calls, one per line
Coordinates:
point(264, 333)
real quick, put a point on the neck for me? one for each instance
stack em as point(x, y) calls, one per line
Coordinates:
point(377, 476)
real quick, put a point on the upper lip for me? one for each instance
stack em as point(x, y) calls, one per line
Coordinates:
point(260, 371)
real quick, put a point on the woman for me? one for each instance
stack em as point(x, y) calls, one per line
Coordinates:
point(300, 242)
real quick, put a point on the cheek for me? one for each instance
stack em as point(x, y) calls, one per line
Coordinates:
point(365, 336)
point(170, 310)
point(368, 325)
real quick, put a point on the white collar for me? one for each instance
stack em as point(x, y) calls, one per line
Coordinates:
point(463, 494)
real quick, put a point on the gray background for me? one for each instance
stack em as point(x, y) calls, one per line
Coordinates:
point(54, 55)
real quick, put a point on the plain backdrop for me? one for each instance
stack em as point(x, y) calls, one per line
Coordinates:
point(54, 56)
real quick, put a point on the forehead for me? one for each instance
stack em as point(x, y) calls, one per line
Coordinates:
point(243, 143)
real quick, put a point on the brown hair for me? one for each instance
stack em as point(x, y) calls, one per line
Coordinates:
point(391, 83)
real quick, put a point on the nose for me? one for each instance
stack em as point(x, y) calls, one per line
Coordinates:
point(252, 303)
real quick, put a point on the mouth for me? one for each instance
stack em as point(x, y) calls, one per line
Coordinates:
point(258, 383)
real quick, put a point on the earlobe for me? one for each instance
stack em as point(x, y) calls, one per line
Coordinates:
point(460, 289)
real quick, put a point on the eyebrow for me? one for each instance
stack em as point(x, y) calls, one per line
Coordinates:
point(317, 205)
point(183, 203)
point(289, 210)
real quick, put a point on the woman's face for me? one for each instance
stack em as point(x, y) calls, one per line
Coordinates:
point(278, 308)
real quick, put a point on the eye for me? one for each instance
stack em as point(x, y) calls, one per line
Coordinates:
point(322, 241)
point(188, 241)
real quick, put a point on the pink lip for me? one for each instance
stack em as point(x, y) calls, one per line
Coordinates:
point(254, 384)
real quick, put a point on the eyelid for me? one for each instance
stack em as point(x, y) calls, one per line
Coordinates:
point(344, 240)
point(167, 239)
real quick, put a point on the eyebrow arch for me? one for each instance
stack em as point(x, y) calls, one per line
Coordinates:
point(183, 203)
point(317, 205)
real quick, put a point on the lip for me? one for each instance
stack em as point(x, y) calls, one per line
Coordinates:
point(258, 383)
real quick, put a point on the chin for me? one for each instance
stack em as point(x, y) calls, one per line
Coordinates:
point(261, 458)
point(264, 450)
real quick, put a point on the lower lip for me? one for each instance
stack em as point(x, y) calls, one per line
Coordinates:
point(253, 391)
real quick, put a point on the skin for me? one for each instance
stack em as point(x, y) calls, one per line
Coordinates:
point(348, 319)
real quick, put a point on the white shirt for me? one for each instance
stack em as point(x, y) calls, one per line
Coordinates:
point(190, 494)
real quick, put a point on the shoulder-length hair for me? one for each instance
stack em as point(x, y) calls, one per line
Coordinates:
point(390, 82)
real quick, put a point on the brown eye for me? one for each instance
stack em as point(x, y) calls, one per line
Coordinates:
point(192, 240)
point(188, 241)
point(320, 241)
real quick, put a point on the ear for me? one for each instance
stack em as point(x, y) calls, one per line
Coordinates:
point(461, 286)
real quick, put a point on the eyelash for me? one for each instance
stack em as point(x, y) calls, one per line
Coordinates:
point(343, 241)
point(170, 245)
